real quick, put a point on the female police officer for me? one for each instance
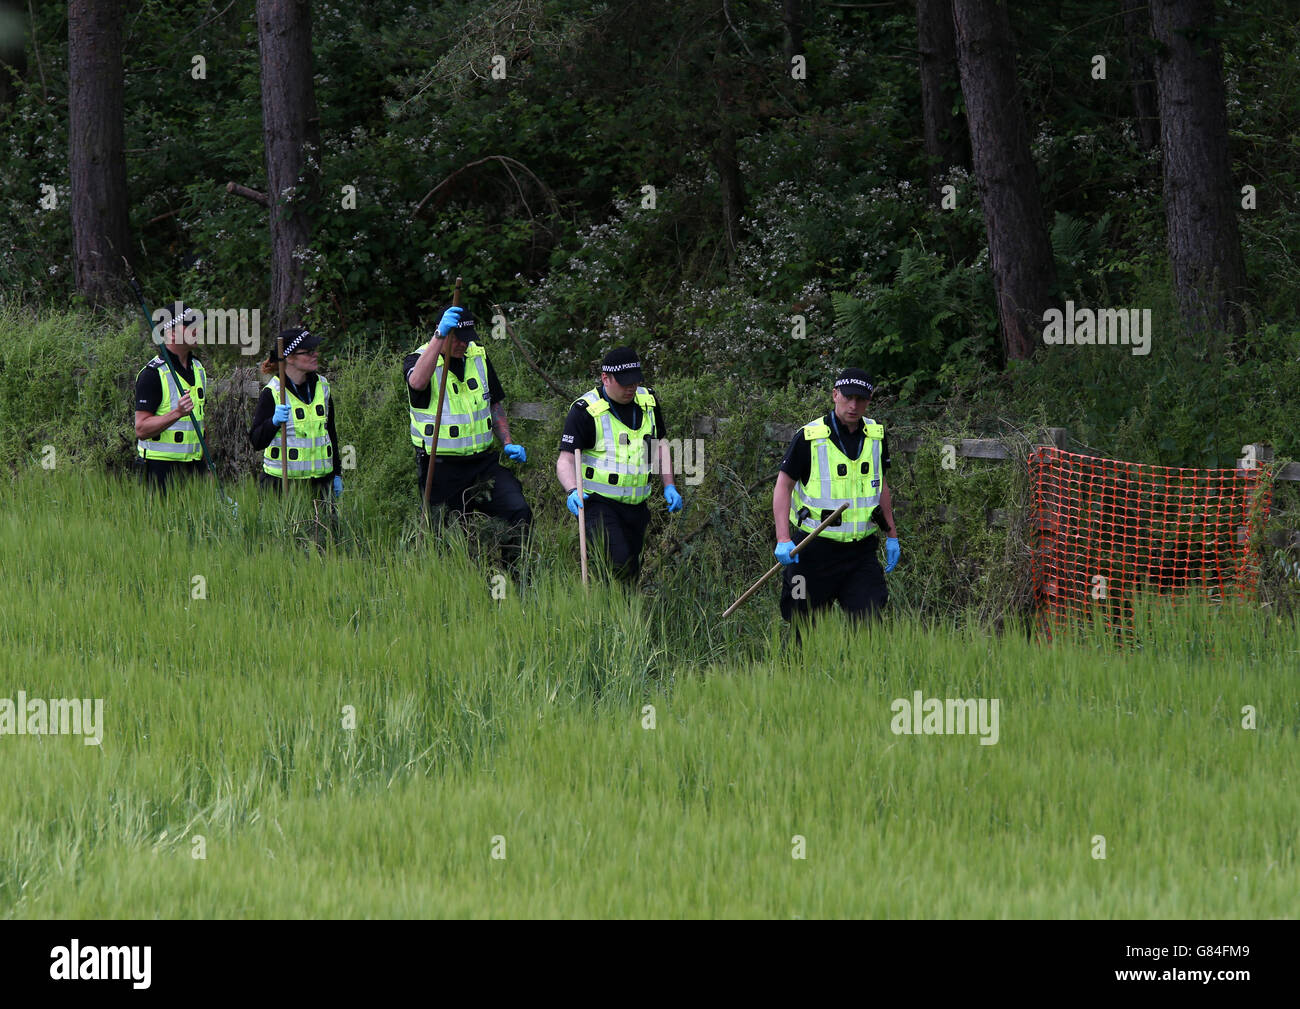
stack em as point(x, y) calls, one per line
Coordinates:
point(308, 412)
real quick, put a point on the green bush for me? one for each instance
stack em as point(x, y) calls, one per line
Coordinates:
point(964, 530)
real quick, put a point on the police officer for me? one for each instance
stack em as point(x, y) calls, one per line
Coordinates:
point(619, 427)
point(307, 416)
point(468, 475)
point(839, 457)
point(167, 444)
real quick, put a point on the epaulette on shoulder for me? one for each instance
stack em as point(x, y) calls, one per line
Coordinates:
point(816, 429)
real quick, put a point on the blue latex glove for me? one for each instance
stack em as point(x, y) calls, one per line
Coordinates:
point(892, 553)
point(782, 552)
point(338, 487)
point(449, 320)
point(516, 453)
point(575, 500)
point(281, 413)
point(674, 499)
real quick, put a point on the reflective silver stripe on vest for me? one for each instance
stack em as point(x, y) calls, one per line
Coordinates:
point(424, 418)
point(304, 465)
point(614, 490)
point(469, 441)
point(272, 466)
point(609, 463)
point(820, 504)
point(299, 466)
point(309, 466)
point(168, 448)
point(174, 392)
point(148, 445)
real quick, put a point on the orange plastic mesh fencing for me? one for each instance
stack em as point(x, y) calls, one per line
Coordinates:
point(1108, 530)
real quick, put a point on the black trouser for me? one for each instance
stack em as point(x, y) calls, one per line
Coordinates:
point(157, 473)
point(847, 573)
point(479, 483)
point(320, 486)
point(621, 528)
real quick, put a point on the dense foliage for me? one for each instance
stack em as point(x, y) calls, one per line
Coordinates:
point(602, 100)
point(533, 188)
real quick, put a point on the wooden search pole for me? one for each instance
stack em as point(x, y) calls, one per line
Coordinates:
point(829, 520)
point(582, 518)
point(437, 415)
point(284, 428)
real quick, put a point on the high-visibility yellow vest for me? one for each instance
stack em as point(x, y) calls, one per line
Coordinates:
point(466, 415)
point(834, 478)
point(617, 466)
point(310, 451)
point(179, 442)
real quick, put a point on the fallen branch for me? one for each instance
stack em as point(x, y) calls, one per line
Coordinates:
point(506, 163)
point(249, 194)
point(555, 386)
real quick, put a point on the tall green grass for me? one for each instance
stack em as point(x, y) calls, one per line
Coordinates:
point(522, 718)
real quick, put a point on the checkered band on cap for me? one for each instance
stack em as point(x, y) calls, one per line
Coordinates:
point(186, 317)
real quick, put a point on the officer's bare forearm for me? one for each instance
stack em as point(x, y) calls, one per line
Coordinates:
point(149, 425)
point(666, 463)
point(887, 510)
point(781, 505)
point(500, 424)
point(423, 370)
point(566, 472)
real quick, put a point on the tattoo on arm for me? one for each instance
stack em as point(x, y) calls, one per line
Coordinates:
point(499, 422)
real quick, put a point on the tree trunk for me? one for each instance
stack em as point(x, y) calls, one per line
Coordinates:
point(1200, 198)
point(726, 161)
point(96, 149)
point(1019, 252)
point(13, 51)
point(1146, 114)
point(792, 19)
point(291, 133)
point(946, 143)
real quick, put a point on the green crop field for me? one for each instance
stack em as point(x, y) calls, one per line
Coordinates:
point(366, 729)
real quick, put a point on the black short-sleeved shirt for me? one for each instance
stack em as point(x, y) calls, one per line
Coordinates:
point(148, 385)
point(422, 398)
point(798, 457)
point(265, 430)
point(580, 426)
